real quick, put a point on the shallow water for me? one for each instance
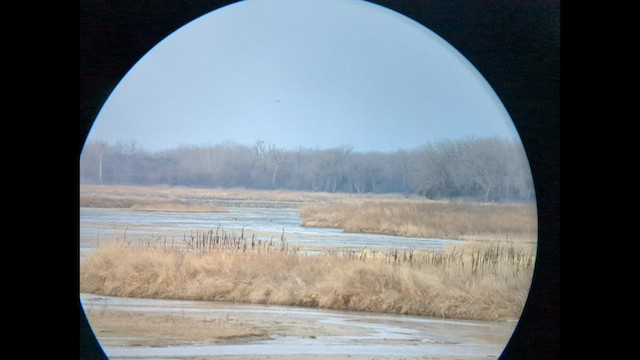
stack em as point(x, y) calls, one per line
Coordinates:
point(270, 222)
point(355, 333)
point(335, 334)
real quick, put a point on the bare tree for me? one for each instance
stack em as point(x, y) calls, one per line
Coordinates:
point(91, 161)
point(331, 167)
point(278, 158)
point(488, 169)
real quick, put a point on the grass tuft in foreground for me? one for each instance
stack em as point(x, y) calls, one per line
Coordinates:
point(482, 282)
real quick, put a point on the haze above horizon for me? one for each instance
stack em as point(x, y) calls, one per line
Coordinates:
point(313, 74)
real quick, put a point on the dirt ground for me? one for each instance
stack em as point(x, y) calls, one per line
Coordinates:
point(140, 329)
point(170, 329)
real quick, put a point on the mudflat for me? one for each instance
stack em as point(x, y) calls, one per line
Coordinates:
point(129, 328)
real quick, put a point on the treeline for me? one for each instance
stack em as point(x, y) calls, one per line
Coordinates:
point(487, 169)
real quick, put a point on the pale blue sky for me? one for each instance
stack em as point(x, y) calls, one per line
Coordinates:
point(314, 73)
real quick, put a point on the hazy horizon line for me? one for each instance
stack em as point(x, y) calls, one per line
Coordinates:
point(233, 142)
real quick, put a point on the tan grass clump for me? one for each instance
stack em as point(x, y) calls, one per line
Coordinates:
point(144, 203)
point(448, 220)
point(475, 283)
point(236, 194)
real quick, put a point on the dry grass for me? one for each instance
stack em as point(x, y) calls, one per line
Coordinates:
point(485, 282)
point(370, 213)
point(143, 203)
point(239, 194)
point(449, 220)
point(211, 193)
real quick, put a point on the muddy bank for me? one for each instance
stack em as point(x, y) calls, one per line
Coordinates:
point(291, 332)
point(140, 329)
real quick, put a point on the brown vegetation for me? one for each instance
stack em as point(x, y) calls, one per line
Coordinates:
point(488, 280)
point(179, 192)
point(144, 204)
point(435, 219)
point(381, 214)
point(482, 282)
point(189, 194)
